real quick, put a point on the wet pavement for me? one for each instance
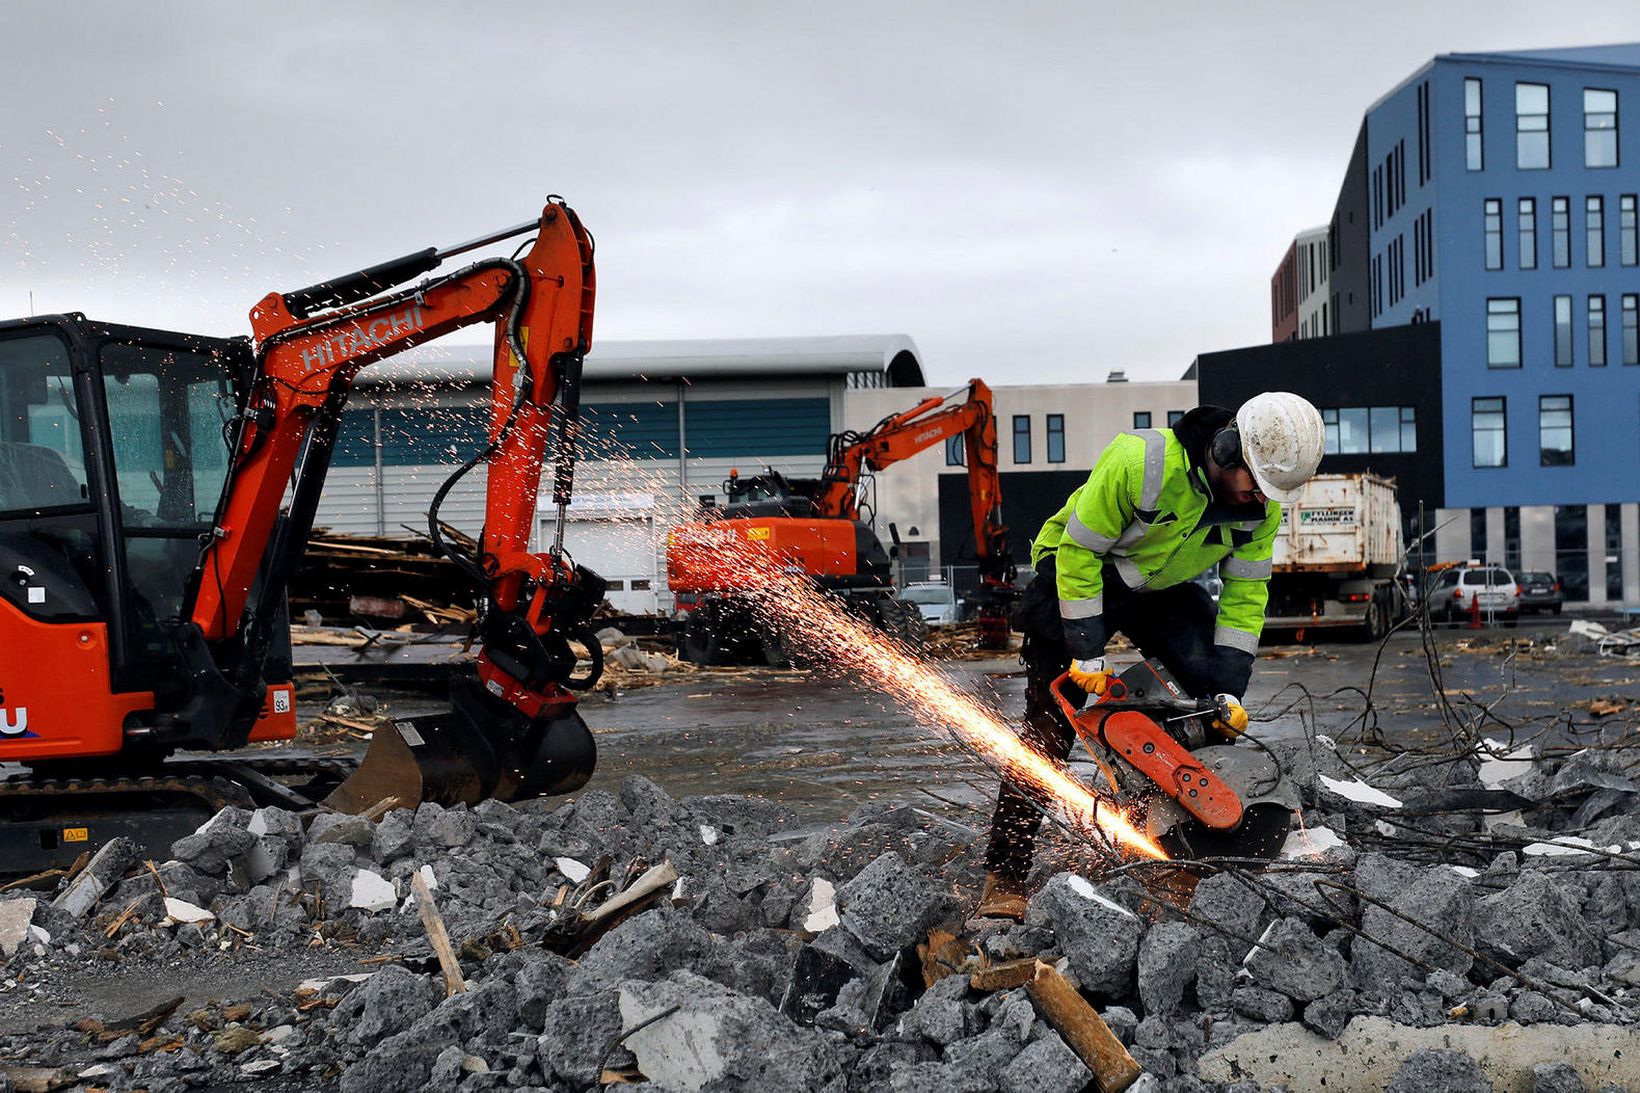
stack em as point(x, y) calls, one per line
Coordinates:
point(825, 747)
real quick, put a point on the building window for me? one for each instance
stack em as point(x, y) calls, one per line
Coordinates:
point(1560, 228)
point(1022, 438)
point(1563, 331)
point(1141, 419)
point(1626, 239)
point(1492, 216)
point(1532, 126)
point(1526, 213)
point(1489, 432)
point(1472, 124)
point(1356, 430)
point(1599, 128)
point(1503, 333)
point(1631, 328)
point(1597, 331)
point(1594, 229)
point(1056, 438)
point(1555, 431)
point(1175, 416)
point(955, 454)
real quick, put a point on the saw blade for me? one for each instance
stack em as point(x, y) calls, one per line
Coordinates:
point(1261, 834)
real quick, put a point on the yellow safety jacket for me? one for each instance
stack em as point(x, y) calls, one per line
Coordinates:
point(1145, 509)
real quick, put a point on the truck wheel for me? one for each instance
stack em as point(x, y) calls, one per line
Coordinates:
point(903, 622)
point(698, 642)
point(1375, 624)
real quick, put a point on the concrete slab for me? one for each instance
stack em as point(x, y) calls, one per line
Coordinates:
point(1365, 1057)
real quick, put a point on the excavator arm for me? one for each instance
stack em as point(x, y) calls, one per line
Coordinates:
point(310, 346)
point(900, 436)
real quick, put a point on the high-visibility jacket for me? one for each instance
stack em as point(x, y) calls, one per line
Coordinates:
point(1146, 510)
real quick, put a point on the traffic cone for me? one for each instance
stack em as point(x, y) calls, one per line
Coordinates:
point(1475, 612)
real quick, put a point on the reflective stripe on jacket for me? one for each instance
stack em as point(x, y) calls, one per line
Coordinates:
point(1143, 508)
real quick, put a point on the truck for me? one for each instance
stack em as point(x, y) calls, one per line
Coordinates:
point(1337, 558)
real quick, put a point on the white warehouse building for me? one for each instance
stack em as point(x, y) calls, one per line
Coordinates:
point(667, 421)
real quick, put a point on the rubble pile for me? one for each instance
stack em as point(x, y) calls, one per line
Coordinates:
point(706, 943)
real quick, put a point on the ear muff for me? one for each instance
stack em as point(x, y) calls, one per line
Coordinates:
point(1225, 447)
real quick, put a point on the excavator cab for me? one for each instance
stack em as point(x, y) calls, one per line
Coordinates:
point(113, 460)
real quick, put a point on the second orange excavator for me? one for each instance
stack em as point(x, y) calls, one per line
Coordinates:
point(817, 525)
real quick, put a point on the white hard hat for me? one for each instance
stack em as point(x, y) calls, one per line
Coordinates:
point(1282, 440)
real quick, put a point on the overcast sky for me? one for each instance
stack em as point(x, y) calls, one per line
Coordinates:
point(1034, 192)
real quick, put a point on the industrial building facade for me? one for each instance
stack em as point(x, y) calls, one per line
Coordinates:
point(668, 421)
point(1495, 194)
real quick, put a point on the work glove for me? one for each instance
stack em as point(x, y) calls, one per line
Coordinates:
point(1229, 718)
point(1090, 675)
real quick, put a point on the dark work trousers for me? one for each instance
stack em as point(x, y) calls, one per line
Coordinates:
point(1174, 625)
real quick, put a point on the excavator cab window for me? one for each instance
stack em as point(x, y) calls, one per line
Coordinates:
point(48, 522)
point(168, 414)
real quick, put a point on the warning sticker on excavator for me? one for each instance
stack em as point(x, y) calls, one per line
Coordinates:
point(757, 533)
point(76, 834)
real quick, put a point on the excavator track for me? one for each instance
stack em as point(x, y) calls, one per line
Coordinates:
point(46, 823)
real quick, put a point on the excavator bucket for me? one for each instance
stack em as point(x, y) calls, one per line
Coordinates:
point(449, 758)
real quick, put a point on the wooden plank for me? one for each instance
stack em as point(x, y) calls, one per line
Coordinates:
point(438, 936)
point(1004, 976)
point(657, 878)
point(1083, 1029)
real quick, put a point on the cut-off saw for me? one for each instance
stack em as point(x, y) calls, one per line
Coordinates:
point(1202, 796)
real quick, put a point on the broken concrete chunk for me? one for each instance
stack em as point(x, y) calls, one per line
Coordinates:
point(1046, 1066)
point(1439, 903)
point(817, 978)
point(394, 837)
point(1557, 1078)
point(941, 1015)
point(1291, 959)
point(890, 905)
point(182, 912)
point(1226, 901)
point(371, 892)
point(1261, 1004)
point(1537, 915)
point(1330, 1014)
point(16, 915)
point(577, 1034)
point(1168, 956)
point(337, 827)
point(1434, 1069)
point(390, 1002)
point(819, 909)
point(101, 873)
point(1098, 935)
point(573, 871)
point(715, 1038)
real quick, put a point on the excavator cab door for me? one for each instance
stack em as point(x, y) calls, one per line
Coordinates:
point(113, 455)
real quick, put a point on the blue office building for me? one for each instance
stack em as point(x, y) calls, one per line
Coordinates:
point(1494, 194)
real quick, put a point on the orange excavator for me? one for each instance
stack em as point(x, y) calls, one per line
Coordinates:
point(156, 493)
point(817, 524)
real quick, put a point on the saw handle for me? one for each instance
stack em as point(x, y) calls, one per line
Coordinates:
point(1116, 691)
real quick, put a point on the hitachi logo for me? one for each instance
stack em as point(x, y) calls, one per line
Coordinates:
point(361, 336)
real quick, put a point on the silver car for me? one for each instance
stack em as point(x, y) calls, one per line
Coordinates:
point(935, 599)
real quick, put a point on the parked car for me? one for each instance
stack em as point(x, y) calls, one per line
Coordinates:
point(1456, 591)
point(1540, 591)
point(935, 599)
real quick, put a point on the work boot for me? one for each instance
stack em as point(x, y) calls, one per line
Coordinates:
point(1002, 898)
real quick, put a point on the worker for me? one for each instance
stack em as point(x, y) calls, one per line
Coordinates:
point(1160, 508)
